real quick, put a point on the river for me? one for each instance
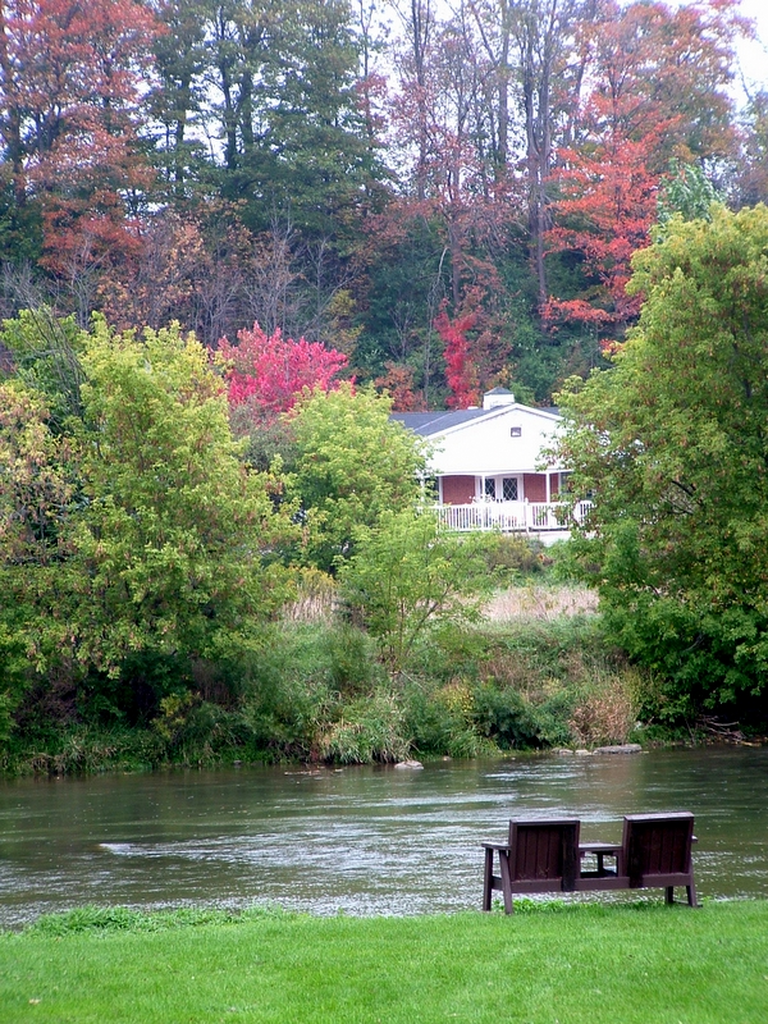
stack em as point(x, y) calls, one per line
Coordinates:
point(370, 840)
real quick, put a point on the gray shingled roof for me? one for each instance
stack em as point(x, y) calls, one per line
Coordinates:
point(428, 423)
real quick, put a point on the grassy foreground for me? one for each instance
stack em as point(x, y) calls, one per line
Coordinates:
point(597, 964)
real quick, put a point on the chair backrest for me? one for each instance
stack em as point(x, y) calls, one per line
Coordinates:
point(657, 845)
point(544, 850)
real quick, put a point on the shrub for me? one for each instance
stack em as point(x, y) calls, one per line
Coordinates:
point(296, 685)
point(607, 710)
point(512, 555)
point(370, 729)
point(504, 716)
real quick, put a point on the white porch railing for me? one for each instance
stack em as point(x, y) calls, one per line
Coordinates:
point(510, 516)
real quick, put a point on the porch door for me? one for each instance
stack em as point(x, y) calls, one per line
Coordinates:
point(509, 488)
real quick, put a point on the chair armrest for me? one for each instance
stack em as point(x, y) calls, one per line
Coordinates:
point(496, 846)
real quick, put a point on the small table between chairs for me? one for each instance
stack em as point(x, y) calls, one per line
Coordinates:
point(600, 852)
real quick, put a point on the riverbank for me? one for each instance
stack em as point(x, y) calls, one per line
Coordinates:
point(535, 672)
point(316, 692)
point(571, 964)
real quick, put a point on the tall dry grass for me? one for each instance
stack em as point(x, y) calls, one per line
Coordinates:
point(317, 602)
point(539, 601)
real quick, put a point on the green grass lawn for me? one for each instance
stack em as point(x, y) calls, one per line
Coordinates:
point(574, 963)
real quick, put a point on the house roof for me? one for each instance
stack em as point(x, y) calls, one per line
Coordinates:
point(429, 423)
point(439, 421)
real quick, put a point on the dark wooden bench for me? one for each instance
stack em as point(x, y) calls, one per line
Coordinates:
point(546, 856)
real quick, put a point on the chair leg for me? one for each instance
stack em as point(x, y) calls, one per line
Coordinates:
point(670, 895)
point(691, 890)
point(506, 881)
point(488, 880)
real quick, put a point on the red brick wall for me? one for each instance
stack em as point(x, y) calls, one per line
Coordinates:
point(458, 490)
point(535, 486)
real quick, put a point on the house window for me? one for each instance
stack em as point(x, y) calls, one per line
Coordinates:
point(509, 488)
point(490, 488)
point(515, 431)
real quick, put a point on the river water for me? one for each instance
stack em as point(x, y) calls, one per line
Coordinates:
point(369, 840)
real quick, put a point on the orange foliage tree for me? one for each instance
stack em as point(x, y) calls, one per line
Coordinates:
point(657, 82)
point(607, 205)
point(70, 115)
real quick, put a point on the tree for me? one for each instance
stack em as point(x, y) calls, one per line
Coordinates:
point(72, 76)
point(36, 496)
point(407, 576)
point(460, 372)
point(45, 351)
point(750, 171)
point(542, 31)
point(282, 96)
point(657, 63)
point(268, 374)
point(353, 464)
point(139, 540)
point(607, 204)
point(673, 444)
point(397, 382)
point(685, 191)
point(175, 526)
point(176, 103)
point(658, 90)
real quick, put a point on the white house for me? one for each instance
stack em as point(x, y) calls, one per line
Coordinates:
point(487, 465)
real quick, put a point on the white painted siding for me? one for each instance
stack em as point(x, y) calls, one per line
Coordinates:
point(486, 446)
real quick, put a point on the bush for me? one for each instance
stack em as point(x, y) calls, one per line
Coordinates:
point(296, 686)
point(370, 729)
point(607, 709)
point(82, 750)
point(440, 720)
point(504, 716)
point(318, 692)
point(511, 555)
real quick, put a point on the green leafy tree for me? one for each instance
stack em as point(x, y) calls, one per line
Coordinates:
point(407, 576)
point(36, 493)
point(135, 539)
point(353, 464)
point(45, 353)
point(686, 191)
point(672, 442)
point(175, 527)
point(277, 83)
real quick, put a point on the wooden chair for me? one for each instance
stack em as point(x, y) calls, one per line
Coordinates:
point(541, 856)
point(656, 851)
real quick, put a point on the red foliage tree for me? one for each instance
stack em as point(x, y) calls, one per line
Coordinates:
point(460, 369)
point(268, 372)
